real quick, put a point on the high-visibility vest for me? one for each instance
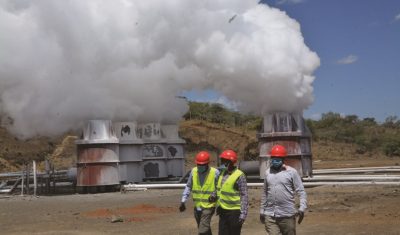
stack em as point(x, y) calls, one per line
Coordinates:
point(201, 193)
point(228, 196)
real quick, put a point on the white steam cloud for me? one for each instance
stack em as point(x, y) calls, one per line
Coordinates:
point(63, 62)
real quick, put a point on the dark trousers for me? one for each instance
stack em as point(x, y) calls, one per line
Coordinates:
point(203, 219)
point(229, 222)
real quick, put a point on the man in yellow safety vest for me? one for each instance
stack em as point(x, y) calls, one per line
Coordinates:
point(202, 183)
point(232, 195)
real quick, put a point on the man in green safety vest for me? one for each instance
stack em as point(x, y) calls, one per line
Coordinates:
point(202, 183)
point(232, 195)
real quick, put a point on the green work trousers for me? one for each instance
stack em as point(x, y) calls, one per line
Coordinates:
point(203, 219)
point(280, 226)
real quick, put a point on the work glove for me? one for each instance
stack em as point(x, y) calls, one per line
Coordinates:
point(212, 198)
point(241, 221)
point(182, 207)
point(300, 214)
point(262, 218)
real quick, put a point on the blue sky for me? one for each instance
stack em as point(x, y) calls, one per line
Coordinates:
point(358, 42)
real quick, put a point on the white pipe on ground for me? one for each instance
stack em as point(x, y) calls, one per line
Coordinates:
point(18, 173)
point(310, 184)
point(357, 175)
point(22, 183)
point(150, 186)
point(360, 168)
point(321, 172)
point(137, 187)
point(352, 178)
point(5, 190)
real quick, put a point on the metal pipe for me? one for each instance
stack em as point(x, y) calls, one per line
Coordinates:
point(356, 175)
point(10, 174)
point(361, 168)
point(28, 173)
point(306, 184)
point(34, 178)
point(312, 184)
point(315, 171)
point(319, 172)
point(15, 184)
point(250, 167)
point(352, 178)
point(149, 186)
point(344, 177)
point(5, 190)
point(22, 183)
point(18, 173)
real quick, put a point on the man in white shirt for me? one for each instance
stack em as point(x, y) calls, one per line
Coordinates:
point(281, 184)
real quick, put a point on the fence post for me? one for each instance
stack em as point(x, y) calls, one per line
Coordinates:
point(34, 178)
point(23, 181)
point(28, 172)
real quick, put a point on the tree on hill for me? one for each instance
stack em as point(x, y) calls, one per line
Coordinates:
point(217, 113)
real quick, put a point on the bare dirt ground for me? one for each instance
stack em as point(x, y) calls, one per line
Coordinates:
point(332, 210)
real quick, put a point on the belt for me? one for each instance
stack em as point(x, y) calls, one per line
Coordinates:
point(283, 217)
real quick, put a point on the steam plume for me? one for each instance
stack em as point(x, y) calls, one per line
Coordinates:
point(63, 62)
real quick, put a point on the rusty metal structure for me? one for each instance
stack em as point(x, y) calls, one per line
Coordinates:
point(126, 152)
point(289, 130)
point(98, 155)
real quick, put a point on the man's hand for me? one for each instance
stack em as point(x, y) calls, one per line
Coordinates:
point(182, 207)
point(301, 216)
point(241, 221)
point(262, 218)
point(212, 198)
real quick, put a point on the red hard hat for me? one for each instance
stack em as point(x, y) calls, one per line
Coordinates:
point(202, 158)
point(278, 151)
point(229, 155)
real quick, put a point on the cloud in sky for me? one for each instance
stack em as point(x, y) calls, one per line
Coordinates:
point(397, 17)
point(281, 2)
point(348, 59)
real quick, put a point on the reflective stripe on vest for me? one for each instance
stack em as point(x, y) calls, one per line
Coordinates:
point(229, 197)
point(201, 194)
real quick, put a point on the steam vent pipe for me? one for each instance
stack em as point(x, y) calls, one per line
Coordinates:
point(97, 152)
point(128, 152)
point(289, 130)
